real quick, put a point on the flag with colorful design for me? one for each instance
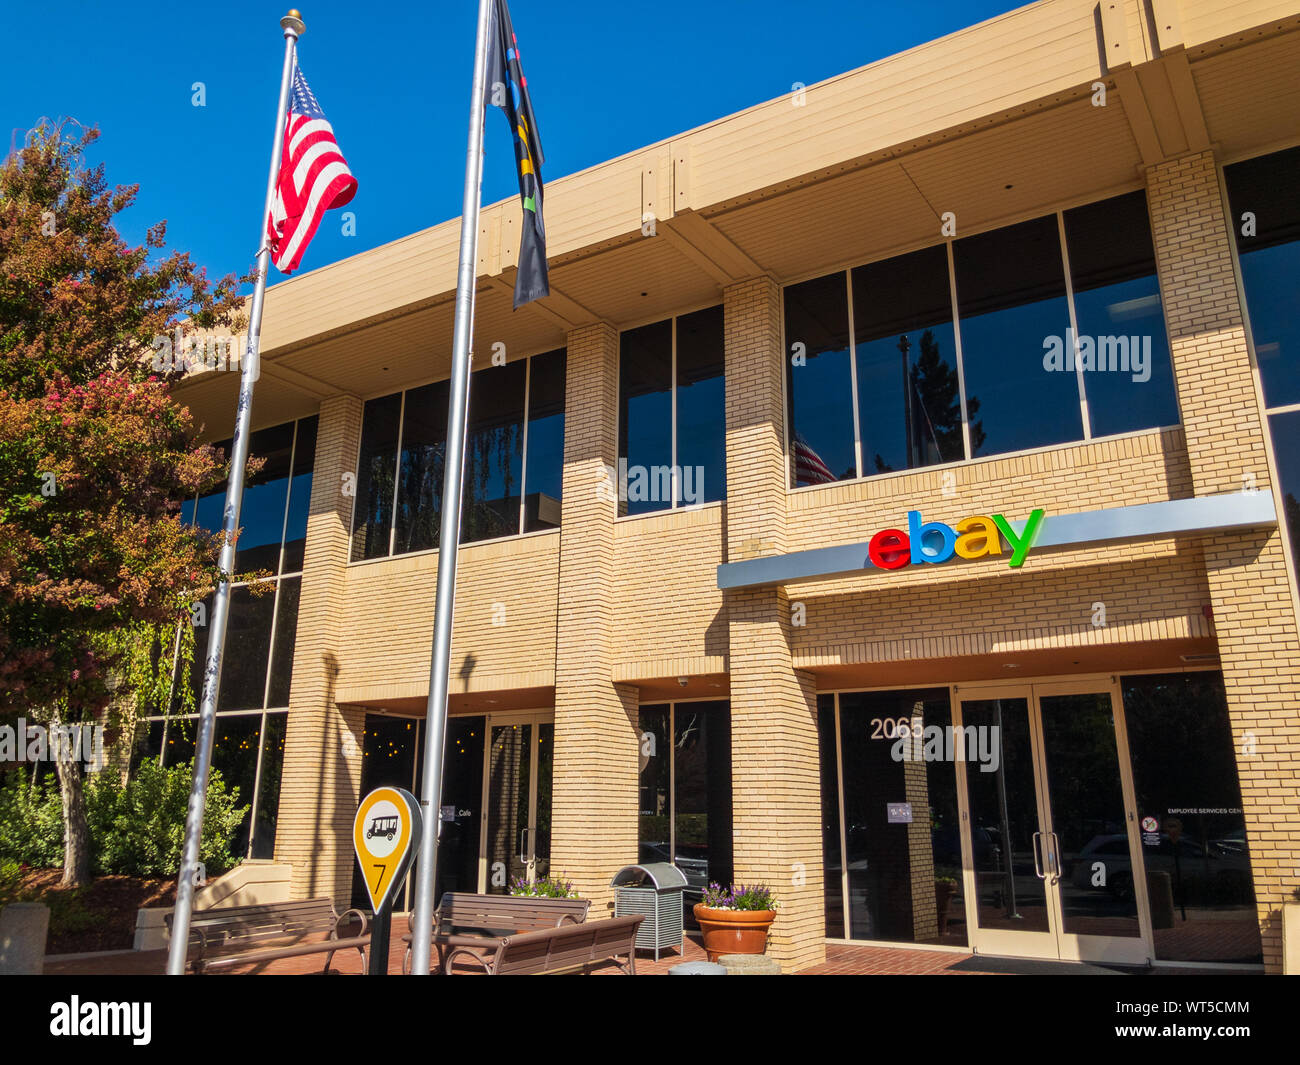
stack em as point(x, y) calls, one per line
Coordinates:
point(314, 177)
point(507, 88)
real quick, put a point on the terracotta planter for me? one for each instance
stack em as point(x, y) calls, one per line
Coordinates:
point(733, 931)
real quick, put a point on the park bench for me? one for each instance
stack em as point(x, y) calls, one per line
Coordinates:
point(570, 948)
point(478, 922)
point(243, 935)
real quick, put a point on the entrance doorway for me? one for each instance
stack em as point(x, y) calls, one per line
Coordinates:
point(1050, 832)
point(496, 796)
point(516, 833)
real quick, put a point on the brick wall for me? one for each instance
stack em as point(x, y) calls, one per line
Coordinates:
point(594, 802)
point(321, 784)
point(1254, 616)
point(776, 789)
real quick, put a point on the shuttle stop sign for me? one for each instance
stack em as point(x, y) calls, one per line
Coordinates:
point(386, 835)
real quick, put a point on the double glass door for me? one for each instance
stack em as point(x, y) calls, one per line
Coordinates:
point(516, 831)
point(1049, 825)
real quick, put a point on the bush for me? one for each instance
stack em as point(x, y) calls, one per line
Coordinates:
point(546, 887)
point(31, 820)
point(136, 829)
point(139, 829)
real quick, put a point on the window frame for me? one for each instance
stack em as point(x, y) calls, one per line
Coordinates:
point(675, 471)
point(847, 266)
point(402, 391)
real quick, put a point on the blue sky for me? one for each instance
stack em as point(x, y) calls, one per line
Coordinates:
point(394, 81)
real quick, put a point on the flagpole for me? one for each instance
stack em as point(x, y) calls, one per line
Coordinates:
point(435, 730)
point(293, 27)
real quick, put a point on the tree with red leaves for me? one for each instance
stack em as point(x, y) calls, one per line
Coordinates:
point(94, 454)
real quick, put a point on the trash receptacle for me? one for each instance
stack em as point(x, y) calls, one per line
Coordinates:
point(655, 892)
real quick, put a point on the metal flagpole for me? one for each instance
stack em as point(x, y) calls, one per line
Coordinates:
point(449, 541)
point(293, 28)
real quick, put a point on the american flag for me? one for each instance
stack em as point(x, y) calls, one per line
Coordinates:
point(314, 177)
point(808, 465)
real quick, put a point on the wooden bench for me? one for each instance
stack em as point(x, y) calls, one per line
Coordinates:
point(478, 922)
point(243, 935)
point(576, 948)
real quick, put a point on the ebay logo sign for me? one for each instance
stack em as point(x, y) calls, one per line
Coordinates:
point(934, 541)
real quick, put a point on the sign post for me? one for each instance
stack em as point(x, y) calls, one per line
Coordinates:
point(386, 836)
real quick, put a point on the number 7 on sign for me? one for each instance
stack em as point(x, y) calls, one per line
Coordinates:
point(379, 883)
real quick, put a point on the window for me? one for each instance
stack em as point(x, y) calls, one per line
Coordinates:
point(263, 621)
point(889, 879)
point(672, 413)
point(1117, 305)
point(1198, 865)
point(1007, 351)
point(1264, 194)
point(685, 791)
point(513, 465)
point(248, 752)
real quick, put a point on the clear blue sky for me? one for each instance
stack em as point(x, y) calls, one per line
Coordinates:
point(394, 81)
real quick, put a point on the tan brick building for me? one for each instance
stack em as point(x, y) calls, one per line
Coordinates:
point(832, 310)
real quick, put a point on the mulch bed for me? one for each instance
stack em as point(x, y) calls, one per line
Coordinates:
point(100, 916)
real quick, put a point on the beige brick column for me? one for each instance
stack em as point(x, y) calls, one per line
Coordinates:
point(594, 798)
point(775, 777)
point(321, 784)
point(1254, 619)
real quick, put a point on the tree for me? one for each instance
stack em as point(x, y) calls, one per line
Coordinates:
point(94, 454)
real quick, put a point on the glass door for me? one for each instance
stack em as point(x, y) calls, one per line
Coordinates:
point(1049, 833)
point(517, 800)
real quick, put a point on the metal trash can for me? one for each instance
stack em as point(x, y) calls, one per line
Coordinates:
point(655, 892)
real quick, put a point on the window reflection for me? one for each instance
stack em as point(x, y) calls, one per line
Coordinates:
point(908, 397)
point(1196, 856)
point(543, 478)
point(1117, 306)
point(904, 872)
point(1011, 299)
point(701, 408)
point(1265, 198)
point(376, 468)
point(645, 416)
point(819, 380)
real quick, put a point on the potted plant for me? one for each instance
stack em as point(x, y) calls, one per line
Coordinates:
point(546, 887)
point(735, 919)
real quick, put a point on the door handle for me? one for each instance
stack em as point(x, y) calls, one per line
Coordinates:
point(523, 846)
point(1056, 855)
point(1038, 867)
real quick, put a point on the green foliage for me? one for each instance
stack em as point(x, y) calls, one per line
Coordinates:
point(31, 820)
point(136, 829)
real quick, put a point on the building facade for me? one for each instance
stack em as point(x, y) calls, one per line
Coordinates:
point(799, 544)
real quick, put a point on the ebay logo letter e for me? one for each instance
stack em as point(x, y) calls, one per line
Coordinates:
point(935, 541)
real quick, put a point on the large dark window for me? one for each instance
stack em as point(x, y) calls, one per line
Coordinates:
point(819, 379)
point(262, 627)
point(901, 833)
point(909, 401)
point(403, 452)
point(1031, 362)
point(1130, 383)
point(544, 453)
point(372, 516)
point(685, 792)
point(1011, 299)
point(1197, 857)
point(672, 413)
point(1265, 198)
